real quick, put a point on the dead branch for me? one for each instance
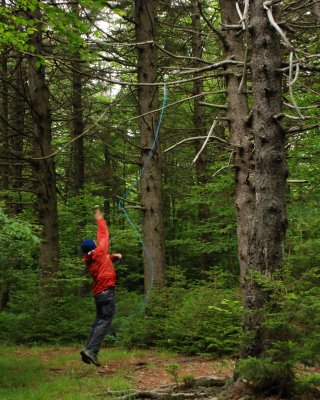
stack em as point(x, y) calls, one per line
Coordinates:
point(291, 82)
point(206, 141)
point(297, 129)
point(268, 7)
point(225, 166)
point(216, 31)
point(196, 138)
point(202, 103)
point(211, 67)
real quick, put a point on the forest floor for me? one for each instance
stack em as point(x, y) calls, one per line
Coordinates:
point(45, 373)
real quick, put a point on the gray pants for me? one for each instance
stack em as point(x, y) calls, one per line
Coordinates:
point(105, 308)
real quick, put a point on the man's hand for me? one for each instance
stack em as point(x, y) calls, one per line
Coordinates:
point(117, 255)
point(98, 214)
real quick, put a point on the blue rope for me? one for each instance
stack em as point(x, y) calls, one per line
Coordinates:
point(121, 201)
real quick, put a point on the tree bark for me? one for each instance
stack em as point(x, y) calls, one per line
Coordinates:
point(151, 181)
point(17, 111)
point(44, 169)
point(4, 115)
point(77, 116)
point(266, 240)
point(240, 131)
point(201, 164)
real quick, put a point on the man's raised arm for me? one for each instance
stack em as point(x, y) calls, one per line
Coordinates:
point(102, 232)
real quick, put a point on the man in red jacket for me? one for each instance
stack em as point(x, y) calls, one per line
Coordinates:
point(99, 263)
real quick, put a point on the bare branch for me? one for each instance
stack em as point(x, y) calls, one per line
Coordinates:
point(291, 81)
point(301, 108)
point(268, 7)
point(180, 57)
point(297, 129)
point(224, 107)
point(224, 167)
point(244, 73)
point(206, 141)
point(219, 64)
point(216, 31)
point(240, 16)
point(168, 105)
point(196, 138)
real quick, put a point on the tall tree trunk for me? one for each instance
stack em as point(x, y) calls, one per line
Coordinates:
point(77, 115)
point(4, 115)
point(240, 129)
point(151, 182)
point(266, 241)
point(206, 258)
point(4, 145)
point(18, 131)
point(44, 168)
point(107, 176)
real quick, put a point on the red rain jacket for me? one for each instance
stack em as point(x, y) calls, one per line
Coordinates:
point(99, 261)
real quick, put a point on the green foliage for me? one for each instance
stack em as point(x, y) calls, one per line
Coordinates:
point(31, 317)
point(173, 370)
point(194, 320)
point(266, 373)
point(19, 240)
point(292, 326)
point(17, 258)
point(189, 380)
point(207, 321)
point(299, 320)
point(308, 383)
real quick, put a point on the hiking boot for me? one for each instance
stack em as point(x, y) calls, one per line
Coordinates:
point(84, 357)
point(90, 357)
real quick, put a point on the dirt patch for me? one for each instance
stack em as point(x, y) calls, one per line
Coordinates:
point(153, 372)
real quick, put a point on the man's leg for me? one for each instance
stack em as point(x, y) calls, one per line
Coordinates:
point(83, 354)
point(105, 304)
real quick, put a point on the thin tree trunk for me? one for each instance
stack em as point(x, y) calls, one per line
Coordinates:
point(206, 259)
point(4, 115)
point(107, 176)
point(44, 169)
point(18, 132)
point(266, 241)
point(151, 182)
point(77, 116)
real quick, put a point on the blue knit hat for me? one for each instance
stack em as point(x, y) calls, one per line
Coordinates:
point(87, 245)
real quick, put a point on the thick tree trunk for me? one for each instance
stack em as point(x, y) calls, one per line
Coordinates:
point(266, 241)
point(206, 259)
point(44, 169)
point(151, 182)
point(240, 130)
